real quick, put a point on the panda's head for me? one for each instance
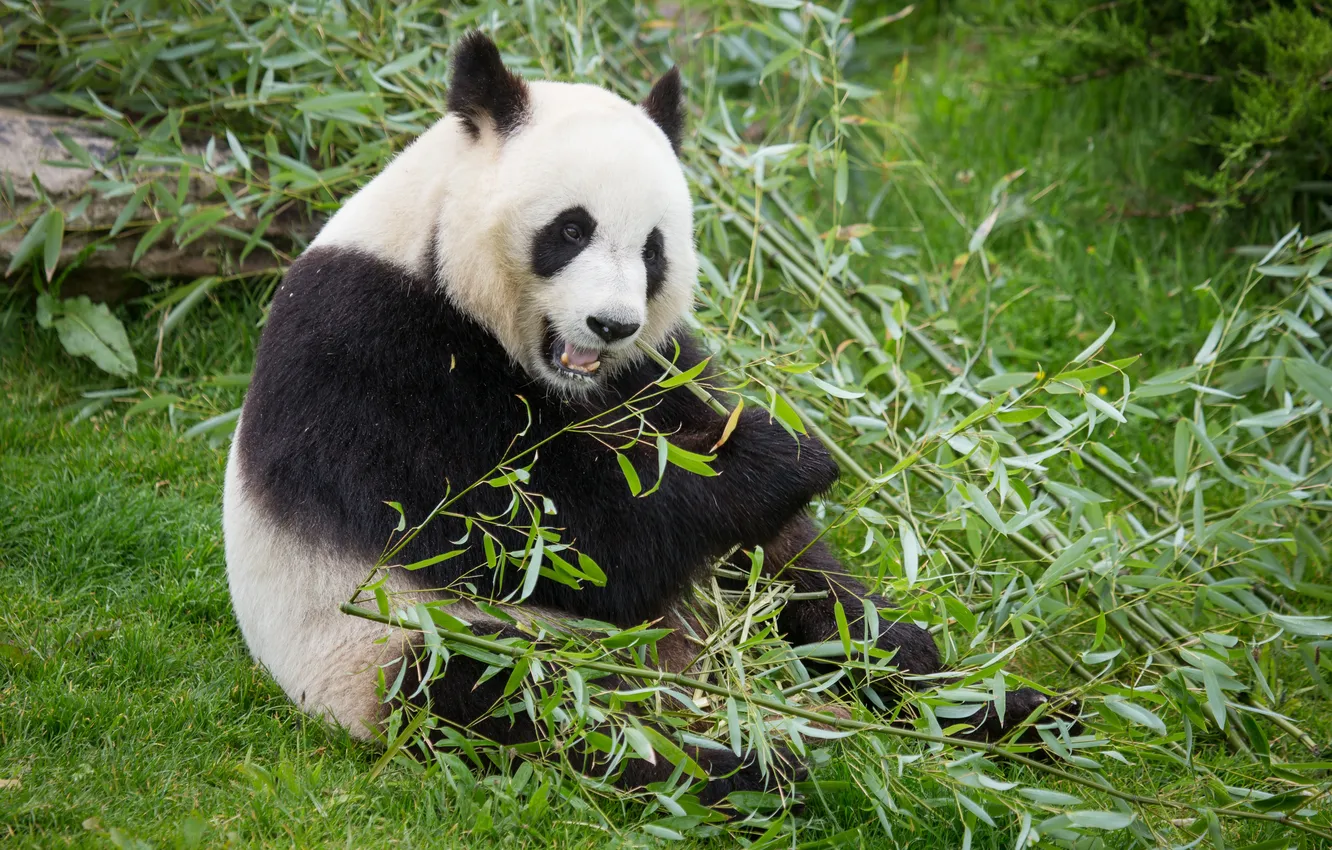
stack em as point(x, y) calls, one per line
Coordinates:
point(569, 233)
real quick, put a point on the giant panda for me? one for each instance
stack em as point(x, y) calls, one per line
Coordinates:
point(486, 290)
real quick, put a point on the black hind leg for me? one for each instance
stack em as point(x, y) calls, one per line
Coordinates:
point(798, 557)
point(460, 698)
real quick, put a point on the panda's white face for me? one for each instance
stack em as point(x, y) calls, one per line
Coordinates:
point(596, 226)
point(558, 217)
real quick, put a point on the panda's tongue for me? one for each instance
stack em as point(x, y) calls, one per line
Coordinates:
point(582, 357)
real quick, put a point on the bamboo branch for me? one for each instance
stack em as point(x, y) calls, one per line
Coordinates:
point(846, 724)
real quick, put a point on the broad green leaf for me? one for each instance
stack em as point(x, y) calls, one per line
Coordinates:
point(639, 742)
point(630, 474)
point(1020, 416)
point(843, 630)
point(436, 559)
point(984, 411)
point(33, 240)
point(1307, 626)
point(831, 390)
point(1100, 820)
point(687, 460)
point(981, 503)
point(182, 308)
point(1207, 353)
point(90, 330)
point(340, 102)
point(785, 413)
point(1286, 271)
point(781, 60)
point(538, 546)
point(1314, 379)
point(1095, 373)
point(684, 377)
point(519, 672)
point(973, 807)
point(1182, 446)
point(655, 829)
point(1095, 346)
point(149, 239)
point(634, 637)
point(734, 731)
point(1049, 798)
point(673, 753)
point(910, 550)
point(1069, 559)
point(1075, 494)
point(157, 402)
point(131, 207)
point(1209, 448)
point(592, 570)
point(1216, 699)
point(238, 150)
point(1135, 713)
point(199, 224)
point(221, 422)
point(1003, 383)
point(1104, 407)
point(1290, 801)
point(406, 62)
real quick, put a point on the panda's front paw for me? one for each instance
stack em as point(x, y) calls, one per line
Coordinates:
point(728, 773)
point(782, 472)
point(1018, 706)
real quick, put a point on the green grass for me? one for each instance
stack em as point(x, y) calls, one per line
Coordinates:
point(129, 707)
point(1068, 263)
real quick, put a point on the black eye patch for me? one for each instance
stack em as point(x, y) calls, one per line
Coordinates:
point(654, 260)
point(561, 240)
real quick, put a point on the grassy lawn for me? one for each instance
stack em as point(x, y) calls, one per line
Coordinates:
point(131, 712)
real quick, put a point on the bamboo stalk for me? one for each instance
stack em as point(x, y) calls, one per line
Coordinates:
point(699, 393)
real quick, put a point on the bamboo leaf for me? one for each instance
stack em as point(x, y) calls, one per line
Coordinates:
point(683, 377)
point(1135, 713)
point(729, 428)
point(1005, 382)
point(910, 551)
point(630, 474)
point(1095, 346)
point(55, 237)
point(32, 241)
point(131, 207)
point(834, 391)
point(1207, 353)
point(1101, 820)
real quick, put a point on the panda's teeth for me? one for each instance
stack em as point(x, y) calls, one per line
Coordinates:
point(593, 366)
point(564, 360)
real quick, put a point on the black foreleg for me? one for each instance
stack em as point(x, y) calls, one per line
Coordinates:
point(460, 698)
point(798, 557)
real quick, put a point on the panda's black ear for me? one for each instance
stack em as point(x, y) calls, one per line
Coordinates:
point(665, 106)
point(483, 88)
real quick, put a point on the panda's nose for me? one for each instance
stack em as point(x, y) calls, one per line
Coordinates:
point(611, 330)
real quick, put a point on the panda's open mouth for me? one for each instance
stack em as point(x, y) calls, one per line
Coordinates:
point(569, 360)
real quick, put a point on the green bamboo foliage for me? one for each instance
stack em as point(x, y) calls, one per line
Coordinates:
point(1178, 600)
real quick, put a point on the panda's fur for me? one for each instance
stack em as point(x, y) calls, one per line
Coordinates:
point(419, 341)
